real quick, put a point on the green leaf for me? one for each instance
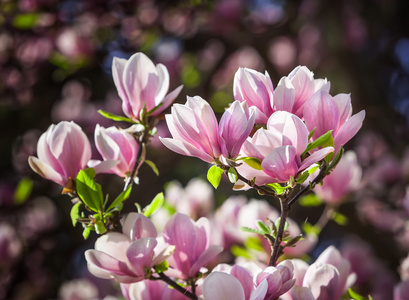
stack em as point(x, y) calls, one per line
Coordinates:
point(26, 21)
point(23, 190)
point(162, 267)
point(323, 139)
point(75, 215)
point(302, 177)
point(153, 166)
point(310, 229)
point(253, 243)
point(214, 175)
point(114, 117)
point(310, 200)
point(240, 251)
point(251, 230)
point(253, 162)
point(339, 218)
point(293, 241)
point(156, 203)
point(89, 191)
point(311, 133)
point(336, 159)
point(87, 232)
point(154, 109)
point(263, 227)
point(355, 295)
point(232, 174)
point(100, 227)
point(277, 188)
point(121, 198)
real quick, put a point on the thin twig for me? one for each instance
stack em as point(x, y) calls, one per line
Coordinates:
point(176, 286)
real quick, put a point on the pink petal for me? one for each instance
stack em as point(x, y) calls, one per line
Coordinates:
point(315, 157)
point(206, 256)
point(140, 254)
point(281, 163)
point(184, 148)
point(349, 129)
point(222, 286)
point(118, 66)
point(45, 171)
point(168, 100)
point(284, 95)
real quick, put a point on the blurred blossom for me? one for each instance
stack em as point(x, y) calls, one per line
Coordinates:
point(401, 290)
point(385, 171)
point(309, 47)
point(345, 178)
point(370, 146)
point(78, 289)
point(7, 190)
point(265, 11)
point(147, 13)
point(34, 50)
point(246, 57)
point(282, 54)
point(41, 216)
point(355, 28)
point(24, 147)
point(195, 200)
point(153, 290)
point(179, 22)
point(404, 269)
point(230, 12)
point(74, 43)
point(168, 51)
point(10, 245)
point(210, 55)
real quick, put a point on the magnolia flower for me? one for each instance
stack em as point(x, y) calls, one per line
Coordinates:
point(117, 145)
point(63, 150)
point(324, 113)
point(194, 130)
point(234, 128)
point(327, 279)
point(140, 83)
point(248, 282)
point(191, 241)
point(343, 179)
point(279, 148)
point(127, 257)
point(293, 91)
point(257, 90)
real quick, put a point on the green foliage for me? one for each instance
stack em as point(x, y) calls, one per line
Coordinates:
point(100, 227)
point(232, 174)
point(114, 117)
point(253, 162)
point(310, 200)
point(87, 232)
point(214, 175)
point(153, 166)
point(89, 191)
point(310, 229)
point(263, 227)
point(162, 267)
point(23, 190)
point(121, 198)
point(321, 141)
point(190, 75)
point(238, 251)
point(339, 218)
point(278, 188)
point(220, 100)
point(336, 159)
point(354, 295)
point(253, 243)
point(251, 230)
point(75, 213)
point(26, 21)
point(156, 203)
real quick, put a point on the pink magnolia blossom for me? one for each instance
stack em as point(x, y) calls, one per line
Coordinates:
point(401, 290)
point(127, 257)
point(63, 150)
point(194, 130)
point(327, 279)
point(248, 282)
point(345, 178)
point(324, 113)
point(191, 241)
point(140, 83)
point(117, 145)
point(257, 90)
point(279, 148)
point(152, 290)
point(293, 91)
point(234, 128)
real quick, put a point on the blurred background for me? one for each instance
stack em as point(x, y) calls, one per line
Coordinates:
point(55, 64)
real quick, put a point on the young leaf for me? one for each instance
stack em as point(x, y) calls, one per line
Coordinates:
point(121, 198)
point(87, 232)
point(339, 218)
point(100, 227)
point(277, 188)
point(310, 200)
point(240, 252)
point(251, 230)
point(323, 139)
point(214, 175)
point(114, 117)
point(336, 159)
point(89, 191)
point(232, 174)
point(253, 162)
point(308, 228)
point(153, 166)
point(263, 227)
point(302, 177)
point(253, 243)
point(23, 190)
point(355, 295)
point(162, 267)
point(75, 215)
point(311, 133)
point(156, 203)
